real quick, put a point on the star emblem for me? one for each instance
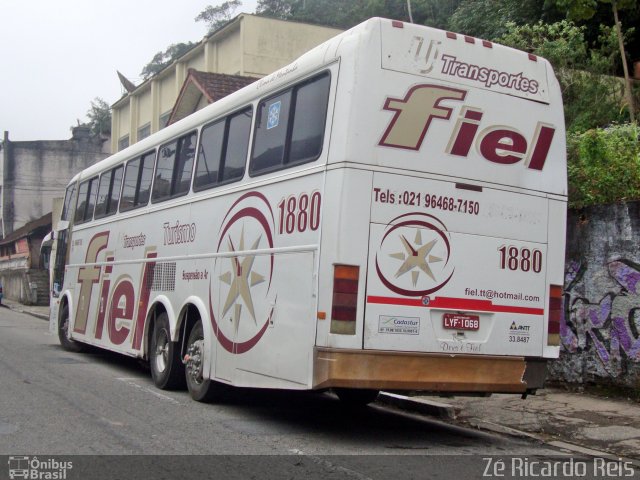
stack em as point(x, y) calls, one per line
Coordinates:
point(241, 278)
point(416, 258)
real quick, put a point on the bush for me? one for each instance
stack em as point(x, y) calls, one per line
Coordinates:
point(604, 165)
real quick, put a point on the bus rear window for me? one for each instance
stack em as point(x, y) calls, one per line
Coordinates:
point(290, 126)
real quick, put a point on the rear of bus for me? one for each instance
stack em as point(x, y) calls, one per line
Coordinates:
point(442, 267)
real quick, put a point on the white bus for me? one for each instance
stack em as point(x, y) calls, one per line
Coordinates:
point(387, 212)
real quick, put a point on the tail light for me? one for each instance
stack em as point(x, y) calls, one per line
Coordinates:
point(345, 299)
point(555, 315)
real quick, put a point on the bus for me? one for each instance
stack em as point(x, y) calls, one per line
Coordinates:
point(387, 212)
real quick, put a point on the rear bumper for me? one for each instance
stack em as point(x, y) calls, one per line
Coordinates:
point(425, 371)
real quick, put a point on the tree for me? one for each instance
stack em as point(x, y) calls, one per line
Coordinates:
point(488, 18)
point(161, 59)
point(99, 117)
point(585, 9)
point(219, 15)
point(591, 95)
point(347, 13)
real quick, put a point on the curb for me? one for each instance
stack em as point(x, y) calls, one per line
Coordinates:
point(419, 405)
point(19, 308)
point(449, 412)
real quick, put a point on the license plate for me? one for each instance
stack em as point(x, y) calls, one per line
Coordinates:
point(455, 321)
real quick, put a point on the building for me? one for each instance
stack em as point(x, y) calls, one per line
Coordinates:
point(33, 173)
point(247, 46)
point(24, 273)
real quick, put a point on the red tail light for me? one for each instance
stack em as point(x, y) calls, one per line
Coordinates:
point(555, 315)
point(345, 299)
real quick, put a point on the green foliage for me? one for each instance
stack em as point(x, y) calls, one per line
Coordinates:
point(218, 16)
point(604, 165)
point(99, 117)
point(347, 13)
point(161, 59)
point(592, 95)
point(488, 18)
point(585, 9)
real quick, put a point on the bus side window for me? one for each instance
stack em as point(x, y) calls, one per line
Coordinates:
point(69, 200)
point(137, 183)
point(86, 200)
point(271, 134)
point(290, 126)
point(223, 151)
point(103, 194)
point(309, 120)
point(175, 164)
point(109, 192)
point(130, 184)
point(143, 189)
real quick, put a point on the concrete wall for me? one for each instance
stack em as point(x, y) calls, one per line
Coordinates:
point(34, 173)
point(600, 333)
point(27, 286)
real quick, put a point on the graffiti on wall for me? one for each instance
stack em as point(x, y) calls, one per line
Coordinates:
point(608, 328)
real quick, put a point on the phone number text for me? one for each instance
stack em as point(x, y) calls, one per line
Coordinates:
point(427, 200)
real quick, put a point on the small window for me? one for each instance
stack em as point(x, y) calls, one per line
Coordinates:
point(290, 126)
point(137, 182)
point(173, 171)
point(123, 142)
point(144, 131)
point(223, 151)
point(109, 192)
point(86, 200)
point(164, 119)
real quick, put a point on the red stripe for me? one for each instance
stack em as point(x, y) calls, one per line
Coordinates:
point(456, 304)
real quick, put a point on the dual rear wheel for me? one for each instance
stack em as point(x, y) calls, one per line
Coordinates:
point(169, 371)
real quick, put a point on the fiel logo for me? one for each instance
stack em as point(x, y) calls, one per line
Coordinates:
point(497, 143)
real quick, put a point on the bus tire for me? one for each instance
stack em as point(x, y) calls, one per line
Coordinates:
point(356, 397)
point(201, 389)
point(164, 356)
point(63, 333)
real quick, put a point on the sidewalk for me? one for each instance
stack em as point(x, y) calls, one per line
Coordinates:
point(36, 311)
point(557, 417)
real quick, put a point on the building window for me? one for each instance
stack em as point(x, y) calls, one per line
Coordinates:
point(164, 119)
point(123, 142)
point(144, 131)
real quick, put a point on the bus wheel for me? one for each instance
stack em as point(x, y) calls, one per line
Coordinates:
point(201, 389)
point(63, 333)
point(356, 397)
point(164, 356)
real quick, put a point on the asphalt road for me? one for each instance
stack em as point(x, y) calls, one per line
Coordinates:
point(54, 404)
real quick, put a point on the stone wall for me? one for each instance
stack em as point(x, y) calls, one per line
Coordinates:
point(600, 332)
point(33, 173)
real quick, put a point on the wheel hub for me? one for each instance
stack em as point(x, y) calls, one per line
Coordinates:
point(193, 361)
